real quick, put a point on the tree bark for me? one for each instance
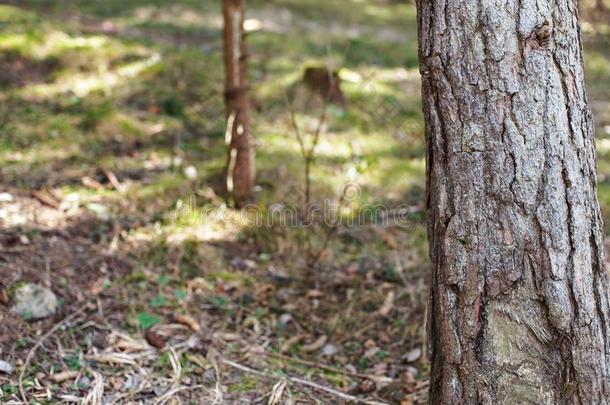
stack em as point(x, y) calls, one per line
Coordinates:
point(519, 292)
point(240, 170)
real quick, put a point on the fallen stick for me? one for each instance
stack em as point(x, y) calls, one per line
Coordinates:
point(28, 358)
point(296, 380)
point(173, 391)
point(320, 366)
point(113, 180)
point(45, 199)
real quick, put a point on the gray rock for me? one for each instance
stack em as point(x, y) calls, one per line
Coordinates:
point(101, 211)
point(33, 301)
point(285, 319)
point(209, 376)
point(6, 367)
point(412, 370)
point(132, 382)
point(84, 382)
point(160, 390)
point(329, 350)
point(250, 264)
point(412, 356)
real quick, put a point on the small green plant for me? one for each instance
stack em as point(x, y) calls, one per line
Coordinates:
point(163, 280)
point(73, 362)
point(219, 302)
point(158, 301)
point(147, 320)
point(9, 389)
point(180, 294)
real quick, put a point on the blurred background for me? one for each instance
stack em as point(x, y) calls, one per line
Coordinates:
point(112, 149)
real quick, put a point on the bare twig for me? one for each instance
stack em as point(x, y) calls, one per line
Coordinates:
point(277, 393)
point(46, 199)
point(113, 180)
point(321, 122)
point(38, 344)
point(320, 366)
point(96, 395)
point(308, 152)
point(300, 381)
point(173, 391)
point(330, 232)
point(295, 126)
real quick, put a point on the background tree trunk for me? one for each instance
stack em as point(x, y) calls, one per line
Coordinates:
point(240, 169)
point(519, 300)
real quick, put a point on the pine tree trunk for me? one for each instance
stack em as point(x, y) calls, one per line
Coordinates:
point(519, 296)
point(240, 171)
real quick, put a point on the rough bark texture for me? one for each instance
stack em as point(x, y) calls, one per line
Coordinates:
point(240, 170)
point(519, 300)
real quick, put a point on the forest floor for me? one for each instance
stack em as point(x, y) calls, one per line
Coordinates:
point(111, 158)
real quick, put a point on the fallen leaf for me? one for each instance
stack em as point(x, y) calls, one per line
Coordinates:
point(315, 346)
point(130, 346)
point(352, 269)
point(291, 342)
point(227, 337)
point(64, 376)
point(367, 386)
point(199, 284)
point(91, 183)
point(370, 343)
point(384, 338)
point(188, 321)
point(155, 339)
point(114, 358)
point(199, 360)
point(380, 368)
point(126, 343)
point(315, 294)
point(388, 305)
point(4, 298)
point(99, 286)
point(369, 353)
point(381, 381)
point(409, 378)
